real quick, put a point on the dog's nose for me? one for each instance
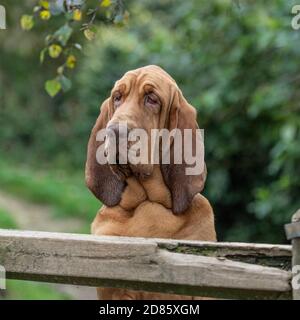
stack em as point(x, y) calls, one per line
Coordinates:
point(120, 129)
point(116, 139)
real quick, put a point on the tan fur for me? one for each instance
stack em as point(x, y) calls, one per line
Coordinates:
point(145, 208)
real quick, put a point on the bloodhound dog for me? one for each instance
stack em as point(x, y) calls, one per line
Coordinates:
point(147, 200)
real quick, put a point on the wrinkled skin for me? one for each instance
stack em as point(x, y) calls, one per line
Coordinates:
point(152, 201)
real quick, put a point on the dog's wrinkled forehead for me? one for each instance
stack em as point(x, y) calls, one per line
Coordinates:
point(150, 76)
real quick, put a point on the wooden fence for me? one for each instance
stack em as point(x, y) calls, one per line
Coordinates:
point(222, 270)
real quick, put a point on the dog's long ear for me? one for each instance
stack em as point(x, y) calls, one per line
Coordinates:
point(100, 179)
point(183, 187)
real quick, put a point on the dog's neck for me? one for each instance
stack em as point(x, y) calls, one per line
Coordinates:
point(152, 189)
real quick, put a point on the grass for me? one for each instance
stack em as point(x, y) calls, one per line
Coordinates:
point(6, 221)
point(68, 196)
point(27, 290)
point(65, 192)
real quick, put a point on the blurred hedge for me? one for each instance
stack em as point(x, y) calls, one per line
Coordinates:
point(237, 62)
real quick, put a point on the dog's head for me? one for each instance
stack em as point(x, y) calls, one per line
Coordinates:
point(144, 99)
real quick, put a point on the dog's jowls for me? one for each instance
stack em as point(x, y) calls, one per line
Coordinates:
point(152, 200)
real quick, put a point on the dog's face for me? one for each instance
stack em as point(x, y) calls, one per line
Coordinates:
point(139, 100)
point(146, 98)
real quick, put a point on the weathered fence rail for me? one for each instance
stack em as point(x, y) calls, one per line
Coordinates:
point(292, 231)
point(223, 270)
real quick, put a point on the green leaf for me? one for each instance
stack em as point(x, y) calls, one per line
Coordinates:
point(63, 34)
point(66, 83)
point(44, 3)
point(27, 22)
point(57, 7)
point(42, 55)
point(55, 50)
point(60, 70)
point(89, 34)
point(105, 3)
point(53, 87)
point(48, 39)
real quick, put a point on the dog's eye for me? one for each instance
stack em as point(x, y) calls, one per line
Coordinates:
point(117, 98)
point(151, 100)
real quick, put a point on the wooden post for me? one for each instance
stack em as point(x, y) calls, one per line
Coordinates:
point(293, 233)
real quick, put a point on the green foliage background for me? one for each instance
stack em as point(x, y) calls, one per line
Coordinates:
point(237, 62)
